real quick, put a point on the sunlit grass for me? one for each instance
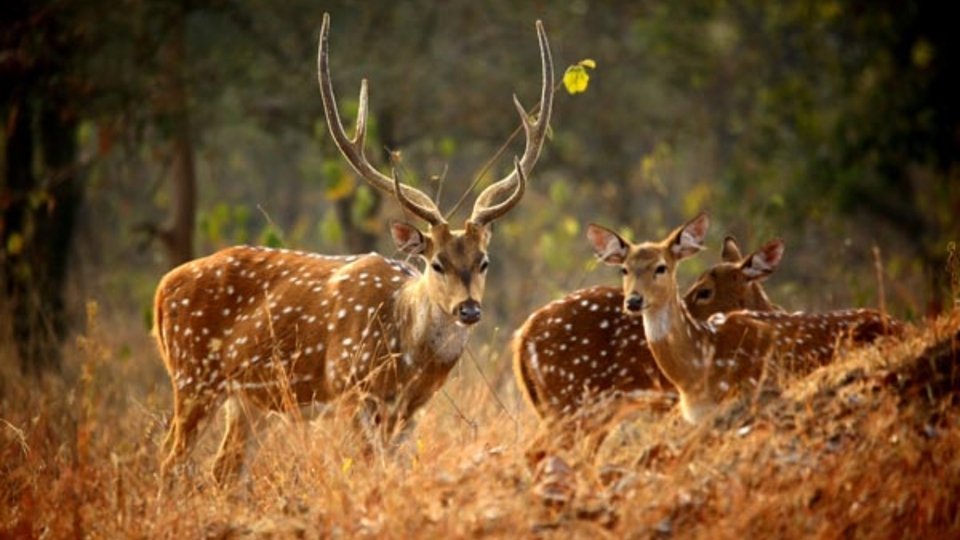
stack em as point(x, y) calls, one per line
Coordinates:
point(869, 446)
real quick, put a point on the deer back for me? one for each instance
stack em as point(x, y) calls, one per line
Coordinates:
point(581, 346)
point(584, 346)
point(265, 321)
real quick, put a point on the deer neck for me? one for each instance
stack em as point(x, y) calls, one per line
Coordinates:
point(432, 335)
point(678, 342)
point(758, 300)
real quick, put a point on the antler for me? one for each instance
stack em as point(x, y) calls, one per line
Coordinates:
point(352, 149)
point(535, 134)
point(482, 216)
point(431, 215)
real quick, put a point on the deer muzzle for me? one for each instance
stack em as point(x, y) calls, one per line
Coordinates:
point(633, 303)
point(469, 311)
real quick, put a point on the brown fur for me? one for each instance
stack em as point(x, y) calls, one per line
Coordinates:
point(708, 360)
point(267, 326)
point(280, 329)
point(583, 348)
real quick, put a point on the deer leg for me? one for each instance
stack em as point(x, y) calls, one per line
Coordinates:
point(235, 445)
point(407, 427)
point(188, 413)
point(368, 423)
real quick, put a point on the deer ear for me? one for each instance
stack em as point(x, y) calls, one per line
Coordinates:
point(608, 245)
point(482, 233)
point(762, 262)
point(408, 238)
point(731, 251)
point(688, 239)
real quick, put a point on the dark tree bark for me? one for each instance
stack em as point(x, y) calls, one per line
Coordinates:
point(38, 204)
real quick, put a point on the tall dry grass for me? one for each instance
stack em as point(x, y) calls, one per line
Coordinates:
point(867, 447)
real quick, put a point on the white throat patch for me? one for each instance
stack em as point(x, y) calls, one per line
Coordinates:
point(656, 324)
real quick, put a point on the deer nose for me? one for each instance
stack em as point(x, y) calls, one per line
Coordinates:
point(634, 302)
point(469, 311)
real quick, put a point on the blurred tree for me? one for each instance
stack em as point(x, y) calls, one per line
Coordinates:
point(170, 103)
point(816, 120)
point(850, 108)
point(41, 188)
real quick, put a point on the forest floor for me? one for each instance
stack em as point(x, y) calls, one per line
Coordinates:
point(866, 447)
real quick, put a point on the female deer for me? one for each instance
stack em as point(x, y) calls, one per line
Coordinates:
point(583, 350)
point(707, 360)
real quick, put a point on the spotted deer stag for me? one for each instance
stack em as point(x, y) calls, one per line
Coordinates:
point(707, 360)
point(583, 351)
point(273, 328)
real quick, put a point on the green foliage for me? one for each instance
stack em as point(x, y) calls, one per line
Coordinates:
point(339, 186)
point(810, 120)
point(559, 192)
point(146, 316)
point(224, 224)
point(331, 233)
point(272, 237)
point(447, 147)
point(363, 204)
point(554, 246)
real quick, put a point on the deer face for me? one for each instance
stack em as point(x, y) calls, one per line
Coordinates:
point(734, 283)
point(649, 269)
point(456, 262)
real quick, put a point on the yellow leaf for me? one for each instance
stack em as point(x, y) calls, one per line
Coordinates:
point(588, 62)
point(15, 244)
point(576, 79)
point(346, 465)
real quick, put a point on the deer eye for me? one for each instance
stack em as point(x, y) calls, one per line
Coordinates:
point(624, 271)
point(437, 267)
point(484, 264)
point(660, 269)
point(703, 294)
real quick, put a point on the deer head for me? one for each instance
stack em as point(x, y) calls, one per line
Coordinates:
point(735, 282)
point(457, 258)
point(648, 268)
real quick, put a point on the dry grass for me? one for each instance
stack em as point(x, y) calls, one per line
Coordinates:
point(868, 447)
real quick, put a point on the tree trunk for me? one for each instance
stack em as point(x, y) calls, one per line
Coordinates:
point(38, 218)
point(173, 109)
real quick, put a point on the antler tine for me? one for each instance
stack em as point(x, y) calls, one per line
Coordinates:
point(491, 213)
point(431, 214)
point(535, 132)
point(352, 149)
